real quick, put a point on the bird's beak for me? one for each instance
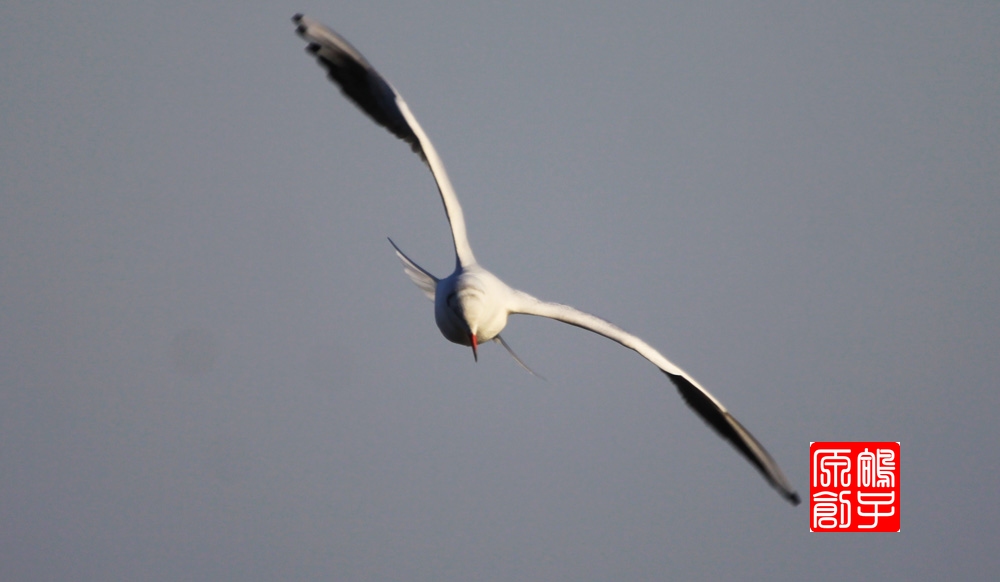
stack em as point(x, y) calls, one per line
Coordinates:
point(475, 354)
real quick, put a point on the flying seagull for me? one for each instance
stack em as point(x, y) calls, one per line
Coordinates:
point(471, 306)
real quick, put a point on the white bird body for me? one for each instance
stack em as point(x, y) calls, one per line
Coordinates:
point(471, 302)
point(472, 305)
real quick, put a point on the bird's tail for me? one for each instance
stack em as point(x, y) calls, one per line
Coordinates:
point(420, 277)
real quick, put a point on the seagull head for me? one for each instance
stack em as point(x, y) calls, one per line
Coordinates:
point(471, 308)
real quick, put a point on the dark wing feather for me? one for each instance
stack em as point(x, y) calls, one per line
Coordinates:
point(731, 430)
point(358, 80)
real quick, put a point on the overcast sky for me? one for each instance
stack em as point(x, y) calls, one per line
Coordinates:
point(213, 368)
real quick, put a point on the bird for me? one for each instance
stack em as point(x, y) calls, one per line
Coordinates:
point(472, 305)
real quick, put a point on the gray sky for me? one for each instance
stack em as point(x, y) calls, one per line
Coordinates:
point(213, 368)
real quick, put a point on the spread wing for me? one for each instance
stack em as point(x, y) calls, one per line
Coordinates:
point(707, 406)
point(363, 85)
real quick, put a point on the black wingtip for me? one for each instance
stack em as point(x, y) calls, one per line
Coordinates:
point(731, 430)
point(300, 29)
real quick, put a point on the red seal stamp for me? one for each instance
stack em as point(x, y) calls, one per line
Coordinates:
point(854, 486)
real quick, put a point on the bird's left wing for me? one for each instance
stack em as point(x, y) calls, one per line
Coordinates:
point(706, 405)
point(363, 85)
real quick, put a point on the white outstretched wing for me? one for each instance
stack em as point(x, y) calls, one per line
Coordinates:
point(699, 399)
point(363, 85)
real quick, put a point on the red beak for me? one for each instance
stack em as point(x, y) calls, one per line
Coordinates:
point(475, 354)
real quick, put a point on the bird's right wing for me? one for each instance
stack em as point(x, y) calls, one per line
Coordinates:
point(363, 85)
point(706, 405)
